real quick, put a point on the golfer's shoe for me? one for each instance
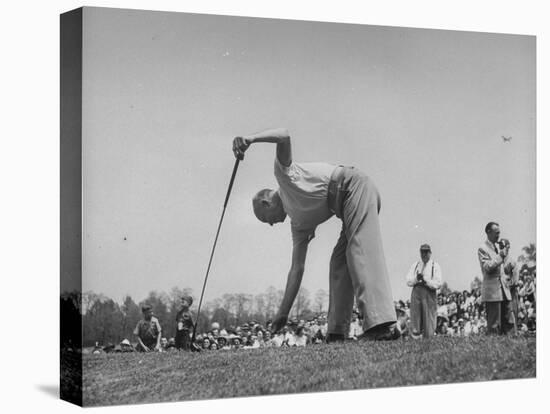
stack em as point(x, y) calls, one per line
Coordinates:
point(386, 332)
point(338, 338)
point(335, 338)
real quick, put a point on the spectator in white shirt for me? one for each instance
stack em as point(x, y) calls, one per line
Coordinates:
point(300, 339)
point(355, 329)
point(442, 308)
point(424, 277)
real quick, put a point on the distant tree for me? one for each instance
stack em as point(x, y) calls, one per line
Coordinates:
point(89, 298)
point(271, 302)
point(222, 316)
point(131, 314)
point(444, 290)
point(529, 253)
point(259, 303)
point(203, 320)
point(243, 302)
point(103, 323)
point(259, 309)
point(320, 299)
point(528, 257)
point(301, 303)
point(475, 284)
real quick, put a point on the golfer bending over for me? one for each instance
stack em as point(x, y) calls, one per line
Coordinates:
point(310, 193)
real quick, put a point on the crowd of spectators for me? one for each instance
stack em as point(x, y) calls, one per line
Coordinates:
point(458, 314)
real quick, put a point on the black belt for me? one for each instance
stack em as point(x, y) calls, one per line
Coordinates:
point(334, 196)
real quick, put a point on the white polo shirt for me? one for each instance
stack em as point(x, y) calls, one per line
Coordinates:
point(303, 188)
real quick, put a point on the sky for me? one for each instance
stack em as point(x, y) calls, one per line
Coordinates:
point(422, 112)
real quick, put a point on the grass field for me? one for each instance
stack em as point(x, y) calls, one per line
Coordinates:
point(138, 378)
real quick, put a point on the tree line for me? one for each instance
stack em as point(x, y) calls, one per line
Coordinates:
point(106, 321)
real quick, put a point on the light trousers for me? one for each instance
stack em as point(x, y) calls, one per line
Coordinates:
point(358, 265)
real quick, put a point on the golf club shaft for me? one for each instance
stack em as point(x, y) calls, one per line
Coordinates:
point(214, 245)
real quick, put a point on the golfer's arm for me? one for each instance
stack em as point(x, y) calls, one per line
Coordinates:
point(279, 136)
point(294, 279)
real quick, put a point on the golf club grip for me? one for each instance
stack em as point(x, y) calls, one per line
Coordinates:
point(237, 160)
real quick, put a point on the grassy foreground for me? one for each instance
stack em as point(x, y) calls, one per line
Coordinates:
point(139, 378)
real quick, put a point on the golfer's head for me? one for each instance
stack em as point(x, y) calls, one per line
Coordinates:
point(268, 206)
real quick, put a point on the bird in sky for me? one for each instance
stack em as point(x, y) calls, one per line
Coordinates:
point(506, 139)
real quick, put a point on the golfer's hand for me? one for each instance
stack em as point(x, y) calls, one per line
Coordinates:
point(240, 145)
point(279, 323)
point(146, 348)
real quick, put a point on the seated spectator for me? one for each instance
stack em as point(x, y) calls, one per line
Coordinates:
point(223, 344)
point(109, 348)
point(442, 310)
point(461, 328)
point(278, 340)
point(205, 343)
point(268, 343)
point(235, 342)
point(163, 343)
point(452, 308)
point(453, 322)
point(355, 328)
point(300, 339)
point(171, 346)
point(443, 329)
point(213, 346)
point(402, 322)
point(289, 339)
point(148, 331)
point(467, 324)
point(469, 299)
point(97, 349)
point(126, 346)
point(528, 289)
point(260, 339)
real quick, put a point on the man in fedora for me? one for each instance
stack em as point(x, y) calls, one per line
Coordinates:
point(424, 277)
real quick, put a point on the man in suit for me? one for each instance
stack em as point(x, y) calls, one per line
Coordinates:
point(310, 194)
point(495, 292)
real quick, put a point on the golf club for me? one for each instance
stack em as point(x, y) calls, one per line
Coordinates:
point(237, 160)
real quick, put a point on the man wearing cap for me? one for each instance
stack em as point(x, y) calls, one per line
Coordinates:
point(310, 194)
point(184, 324)
point(148, 331)
point(424, 277)
point(494, 289)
